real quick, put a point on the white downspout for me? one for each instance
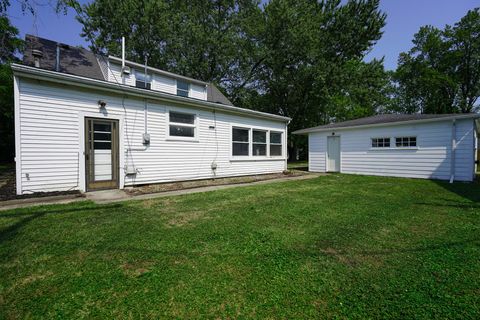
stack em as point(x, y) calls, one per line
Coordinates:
point(123, 61)
point(454, 147)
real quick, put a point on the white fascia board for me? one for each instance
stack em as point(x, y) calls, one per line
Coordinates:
point(387, 124)
point(63, 78)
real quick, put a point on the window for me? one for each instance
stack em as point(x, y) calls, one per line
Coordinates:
point(380, 142)
point(406, 142)
point(143, 80)
point(259, 147)
point(181, 124)
point(240, 141)
point(275, 143)
point(182, 88)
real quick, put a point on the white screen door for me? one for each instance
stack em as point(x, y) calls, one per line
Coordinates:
point(333, 154)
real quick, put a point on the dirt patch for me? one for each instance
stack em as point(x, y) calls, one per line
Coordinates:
point(136, 269)
point(172, 186)
point(8, 188)
point(185, 218)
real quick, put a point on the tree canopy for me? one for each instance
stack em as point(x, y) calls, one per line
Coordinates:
point(441, 73)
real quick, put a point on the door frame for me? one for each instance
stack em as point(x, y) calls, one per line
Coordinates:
point(339, 154)
point(82, 185)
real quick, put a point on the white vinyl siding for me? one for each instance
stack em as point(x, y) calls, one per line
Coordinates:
point(164, 84)
point(50, 139)
point(198, 92)
point(429, 159)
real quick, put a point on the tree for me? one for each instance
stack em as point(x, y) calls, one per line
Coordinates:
point(10, 46)
point(207, 40)
point(312, 69)
point(441, 73)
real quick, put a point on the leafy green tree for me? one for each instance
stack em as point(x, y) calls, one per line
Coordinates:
point(10, 46)
point(441, 73)
point(208, 40)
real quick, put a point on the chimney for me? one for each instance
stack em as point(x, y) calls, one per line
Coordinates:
point(37, 56)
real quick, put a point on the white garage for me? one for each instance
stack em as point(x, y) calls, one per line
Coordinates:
point(416, 146)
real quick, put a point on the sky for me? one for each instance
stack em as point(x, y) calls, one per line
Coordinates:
point(404, 18)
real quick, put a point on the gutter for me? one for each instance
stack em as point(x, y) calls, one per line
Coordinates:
point(63, 78)
point(452, 153)
point(384, 124)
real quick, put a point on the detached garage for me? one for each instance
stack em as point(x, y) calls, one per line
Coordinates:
point(416, 146)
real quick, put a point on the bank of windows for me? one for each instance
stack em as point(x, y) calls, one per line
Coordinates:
point(256, 143)
point(182, 125)
point(400, 142)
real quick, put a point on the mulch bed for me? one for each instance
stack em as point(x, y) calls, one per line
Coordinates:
point(173, 186)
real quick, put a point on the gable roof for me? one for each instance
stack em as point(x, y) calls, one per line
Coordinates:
point(84, 63)
point(386, 119)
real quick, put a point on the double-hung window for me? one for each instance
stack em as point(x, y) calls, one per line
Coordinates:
point(143, 80)
point(406, 142)
point(275, 143)
point(259, 146)
point(182, 88)
point(181, 124)
point(380, 142)
point(240, 141)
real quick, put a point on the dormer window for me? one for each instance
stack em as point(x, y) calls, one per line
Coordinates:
point(143, 80)
point(182, 88)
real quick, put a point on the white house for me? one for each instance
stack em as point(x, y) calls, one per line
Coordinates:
point(416, 146)
point(84, 122)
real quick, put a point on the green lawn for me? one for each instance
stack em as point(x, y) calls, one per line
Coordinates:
point(336, 246)
point(298, 165)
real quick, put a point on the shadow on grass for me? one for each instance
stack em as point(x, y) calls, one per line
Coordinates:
point(467, 190)
point(10, 232)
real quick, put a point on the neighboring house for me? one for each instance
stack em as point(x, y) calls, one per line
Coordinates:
point(416, 146)
point(82, 122)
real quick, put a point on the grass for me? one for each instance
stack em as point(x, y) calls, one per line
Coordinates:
point(6, 166)
point(298, 165)
point(336, 246)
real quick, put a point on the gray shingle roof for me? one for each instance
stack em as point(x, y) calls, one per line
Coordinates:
point(84, 63)
point(73, 60)
point(383, 119)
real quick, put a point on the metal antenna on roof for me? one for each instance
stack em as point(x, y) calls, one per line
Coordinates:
point(123, 54)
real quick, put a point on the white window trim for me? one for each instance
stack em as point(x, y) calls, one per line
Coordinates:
point(393, 144)
point(250, 157)
point(195, 125)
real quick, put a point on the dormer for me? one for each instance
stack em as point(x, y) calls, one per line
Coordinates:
point(155, 79)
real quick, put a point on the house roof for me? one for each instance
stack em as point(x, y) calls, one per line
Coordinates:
point(386, 119)
point(64, 78)
point(82, 62)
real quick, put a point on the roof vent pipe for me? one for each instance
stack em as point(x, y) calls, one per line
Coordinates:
point(123, 53)
point(37, 55)
point(57, 62)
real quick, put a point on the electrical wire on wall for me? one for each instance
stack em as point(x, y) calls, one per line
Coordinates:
point(127, 136)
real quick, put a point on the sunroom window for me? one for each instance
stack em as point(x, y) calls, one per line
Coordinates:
point(259, 146)
point(240, 141)
point(275, 143)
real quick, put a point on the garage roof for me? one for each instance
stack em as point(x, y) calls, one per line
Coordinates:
point(386, 119)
